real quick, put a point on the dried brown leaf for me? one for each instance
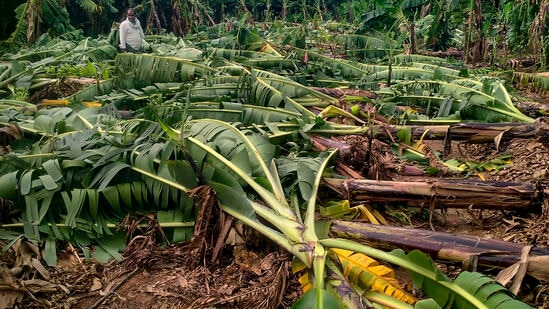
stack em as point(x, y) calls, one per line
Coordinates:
point(9, 298)
point(38, 285)
point(96, 284)
point(9, 133)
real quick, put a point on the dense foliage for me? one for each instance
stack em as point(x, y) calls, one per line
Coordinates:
point(481, 28)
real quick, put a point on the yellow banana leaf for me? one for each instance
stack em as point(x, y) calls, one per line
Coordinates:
point(362, 271)
point(45, 103)
point(343, 209)
point(369, 275)
point(268, 49)
point(92, 104)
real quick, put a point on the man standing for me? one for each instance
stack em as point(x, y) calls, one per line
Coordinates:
point(131, 33)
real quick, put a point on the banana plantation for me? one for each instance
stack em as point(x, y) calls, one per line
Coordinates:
point(274, 154)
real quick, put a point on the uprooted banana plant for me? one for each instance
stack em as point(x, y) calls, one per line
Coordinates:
point(247, 160)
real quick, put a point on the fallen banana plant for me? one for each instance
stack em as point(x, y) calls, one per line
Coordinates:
point(439, 193)
point(473, 252)
point(463, 132)
point(248, 164)
point(484, 101)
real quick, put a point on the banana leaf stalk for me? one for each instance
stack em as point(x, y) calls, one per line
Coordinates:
point(467, 132)
point(438, 193)
point(471, 251)
point(23, 106)
point(532, 108)
point(109, 225)
point(323, 143)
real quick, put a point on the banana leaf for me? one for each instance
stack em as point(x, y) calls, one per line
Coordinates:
point(149, 69)
point(474, 104)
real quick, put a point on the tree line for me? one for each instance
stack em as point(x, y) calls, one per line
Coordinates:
point(483, 30)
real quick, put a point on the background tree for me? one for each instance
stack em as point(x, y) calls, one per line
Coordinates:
point(482, 27)
point(475, 40)
point(7, 20)
point(36, 17)
point(537, 42)
point(439, 24)
point(400, 14)
point(94, 16)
